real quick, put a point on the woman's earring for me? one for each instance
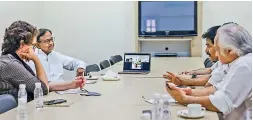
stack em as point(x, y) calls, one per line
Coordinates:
point(37, 46)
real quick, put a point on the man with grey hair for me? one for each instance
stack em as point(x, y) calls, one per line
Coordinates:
point(233, 95)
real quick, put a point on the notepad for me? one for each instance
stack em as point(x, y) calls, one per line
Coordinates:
point(70, 91)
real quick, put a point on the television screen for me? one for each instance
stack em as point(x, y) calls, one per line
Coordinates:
point(167, 18)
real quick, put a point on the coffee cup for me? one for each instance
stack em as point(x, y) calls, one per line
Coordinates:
point(195, 109)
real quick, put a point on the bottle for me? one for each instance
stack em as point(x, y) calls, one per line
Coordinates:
point(38, 96)
point(166, 110)
point(22, 95)
point(155, 110)
point(22, 100)
point(160, 107)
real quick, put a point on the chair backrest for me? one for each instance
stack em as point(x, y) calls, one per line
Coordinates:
point(208, 63)
point(92, 68)
point(104, 64)
point(7, 102)
point(112, 61)
point(117, 58)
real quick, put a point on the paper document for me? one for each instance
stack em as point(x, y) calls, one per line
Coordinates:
point(151, 101)
point(70, 91)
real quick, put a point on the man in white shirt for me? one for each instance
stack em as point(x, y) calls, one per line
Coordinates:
point(217, 74)
point(54, 62)
point(206, 76)
point(233, 95)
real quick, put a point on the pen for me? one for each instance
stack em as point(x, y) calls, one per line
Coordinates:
point(82, 81)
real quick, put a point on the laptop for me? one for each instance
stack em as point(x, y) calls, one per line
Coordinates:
point(136, 63)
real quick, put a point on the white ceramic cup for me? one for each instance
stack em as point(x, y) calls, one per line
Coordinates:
point(195, 109)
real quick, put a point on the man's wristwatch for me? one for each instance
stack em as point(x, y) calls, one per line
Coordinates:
point(194, 76)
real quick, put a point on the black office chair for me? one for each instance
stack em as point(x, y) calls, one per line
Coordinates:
point(112, 61)
point(116, 58)
point(92, 68)
point(104, 64)
point(208, 63)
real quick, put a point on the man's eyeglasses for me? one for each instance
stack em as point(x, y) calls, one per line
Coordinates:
point(47, 41)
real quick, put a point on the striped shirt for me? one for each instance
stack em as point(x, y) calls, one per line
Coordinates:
point(13, 73)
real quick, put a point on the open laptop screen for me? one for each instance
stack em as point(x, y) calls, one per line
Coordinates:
point(137, 62)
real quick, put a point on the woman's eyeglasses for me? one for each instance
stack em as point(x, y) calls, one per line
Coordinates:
point(34, 46)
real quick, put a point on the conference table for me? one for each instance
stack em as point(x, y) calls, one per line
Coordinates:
point(120, 100)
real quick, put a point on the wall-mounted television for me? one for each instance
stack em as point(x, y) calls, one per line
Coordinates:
point(167, 18)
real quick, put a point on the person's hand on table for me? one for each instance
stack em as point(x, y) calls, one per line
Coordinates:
point(177, 93)
point(187, 90)
point(165, 76)
point(176, 79)
point(189, 72)
point(78, 82)
point(80, 72)
point(168, 75)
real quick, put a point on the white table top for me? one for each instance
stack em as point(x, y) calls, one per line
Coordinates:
point(120, 100)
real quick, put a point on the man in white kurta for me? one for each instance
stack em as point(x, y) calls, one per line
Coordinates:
point(234, 93)
point(54, 62)
point(233, 96)
point(218, 73)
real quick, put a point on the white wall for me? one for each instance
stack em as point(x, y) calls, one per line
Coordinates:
point(219, 12)
point(90, 31)
point(93, 31)
point(13, 11)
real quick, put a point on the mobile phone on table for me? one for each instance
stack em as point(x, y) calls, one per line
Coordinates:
point(56, 101)
point(167, 85)
point(90, 94)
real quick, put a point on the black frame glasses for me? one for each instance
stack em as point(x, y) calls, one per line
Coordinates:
point(47, 41)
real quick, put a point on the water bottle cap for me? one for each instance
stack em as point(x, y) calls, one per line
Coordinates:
point(22, 86)
point(38, 85)
point(146, 116)
point(156, 95)
point(165, 96)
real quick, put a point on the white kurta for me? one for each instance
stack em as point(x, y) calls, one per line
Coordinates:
point(234, 94)
point(218, 73)
point(216, 65)
point(55, 63)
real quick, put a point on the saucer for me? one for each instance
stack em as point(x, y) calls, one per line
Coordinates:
point(91, 81)
point(151, 101)
point(184, 113)
point(92, 78)
point(107, 78)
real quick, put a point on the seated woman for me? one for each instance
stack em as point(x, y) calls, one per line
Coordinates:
point(17, 46)
point(232, 97)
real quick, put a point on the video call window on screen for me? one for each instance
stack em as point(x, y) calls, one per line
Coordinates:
point(137, 61)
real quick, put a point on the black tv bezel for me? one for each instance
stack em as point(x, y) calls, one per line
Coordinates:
point(168, 33)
